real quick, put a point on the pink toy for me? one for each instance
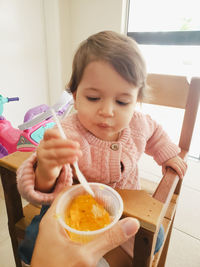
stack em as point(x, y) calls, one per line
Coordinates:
point(36, 121)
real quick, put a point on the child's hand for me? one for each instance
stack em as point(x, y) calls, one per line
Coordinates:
point(52, 153)
point(176, 163)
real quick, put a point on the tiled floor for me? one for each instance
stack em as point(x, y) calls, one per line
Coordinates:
point(184, 249)
point(6, 255)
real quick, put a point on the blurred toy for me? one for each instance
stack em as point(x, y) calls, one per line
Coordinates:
point(36, 121)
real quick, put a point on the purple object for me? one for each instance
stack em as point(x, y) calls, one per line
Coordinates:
point(35, 111)
point(13, 99)
point(62, 111)
point(3, 151)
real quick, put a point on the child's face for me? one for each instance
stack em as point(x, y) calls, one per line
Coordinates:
point(105, 102)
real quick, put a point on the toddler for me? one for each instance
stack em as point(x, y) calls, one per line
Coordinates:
point(106, 135)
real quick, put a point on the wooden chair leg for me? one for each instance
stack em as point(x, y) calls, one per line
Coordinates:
point(163, 255)
point(144, 241)
point(13, 207)
point(118, 258)
point(14, 242)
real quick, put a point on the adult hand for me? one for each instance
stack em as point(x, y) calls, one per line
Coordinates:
point(54, 248)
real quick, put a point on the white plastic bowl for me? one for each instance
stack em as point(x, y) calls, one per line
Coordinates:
point(104, 194)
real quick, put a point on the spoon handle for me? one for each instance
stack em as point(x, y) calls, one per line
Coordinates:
point(79, 174)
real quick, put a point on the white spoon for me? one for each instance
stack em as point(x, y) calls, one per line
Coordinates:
point(79, 174)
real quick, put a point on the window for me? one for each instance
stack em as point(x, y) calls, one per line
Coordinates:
point(168, 33)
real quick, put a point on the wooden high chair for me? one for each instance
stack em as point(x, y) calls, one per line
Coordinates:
point(151, 210)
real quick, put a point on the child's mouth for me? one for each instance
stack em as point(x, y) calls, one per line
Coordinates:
point(104, 125)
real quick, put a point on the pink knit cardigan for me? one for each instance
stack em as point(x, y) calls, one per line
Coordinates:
point(113, 163)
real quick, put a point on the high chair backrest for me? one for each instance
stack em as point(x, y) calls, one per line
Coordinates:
point(160, 207)
point(178, 92)
point(151, 211)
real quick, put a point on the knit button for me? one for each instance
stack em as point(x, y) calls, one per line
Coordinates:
point(114, 147)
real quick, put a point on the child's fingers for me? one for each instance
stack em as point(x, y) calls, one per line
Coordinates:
point(178, 164)
point(64, 159)
point(183, 167)
point(163, 170)
point(54, 134)
point(59, 143)
point(179, 171)
point(60, 156)
point(180, 168)
point(52, 138)
point(51, 133)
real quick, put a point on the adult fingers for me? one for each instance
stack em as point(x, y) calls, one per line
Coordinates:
point(51, 218)
point(118, 234)
point(52, 208)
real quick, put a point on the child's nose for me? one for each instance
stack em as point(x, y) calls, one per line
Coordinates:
point(106, 109)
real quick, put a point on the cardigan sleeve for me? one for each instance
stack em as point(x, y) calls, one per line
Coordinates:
point(26, 182)
point(159, 144)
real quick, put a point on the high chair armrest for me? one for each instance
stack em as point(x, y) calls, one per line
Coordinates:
point(168, 184)
point(139, 204)
point(150, 210)
point(166, 187)
point(14, 160)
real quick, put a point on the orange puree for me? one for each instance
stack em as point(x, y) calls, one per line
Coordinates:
point(85, 214)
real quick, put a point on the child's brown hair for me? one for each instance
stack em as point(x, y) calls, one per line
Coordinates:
point(120, 51)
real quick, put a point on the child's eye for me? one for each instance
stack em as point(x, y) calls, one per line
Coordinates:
point(92, 98)
point(121, 103)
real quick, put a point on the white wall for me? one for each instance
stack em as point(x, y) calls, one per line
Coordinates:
point(76, 20)
point(23, 69)
point(58, 44)
point(37, 42)
point(91, 16)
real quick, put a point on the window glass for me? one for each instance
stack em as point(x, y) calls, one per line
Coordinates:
point(171, 15)
point(178, 60)
point(162, 15)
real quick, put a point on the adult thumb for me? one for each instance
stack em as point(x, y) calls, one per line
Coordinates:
point(115, 236)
